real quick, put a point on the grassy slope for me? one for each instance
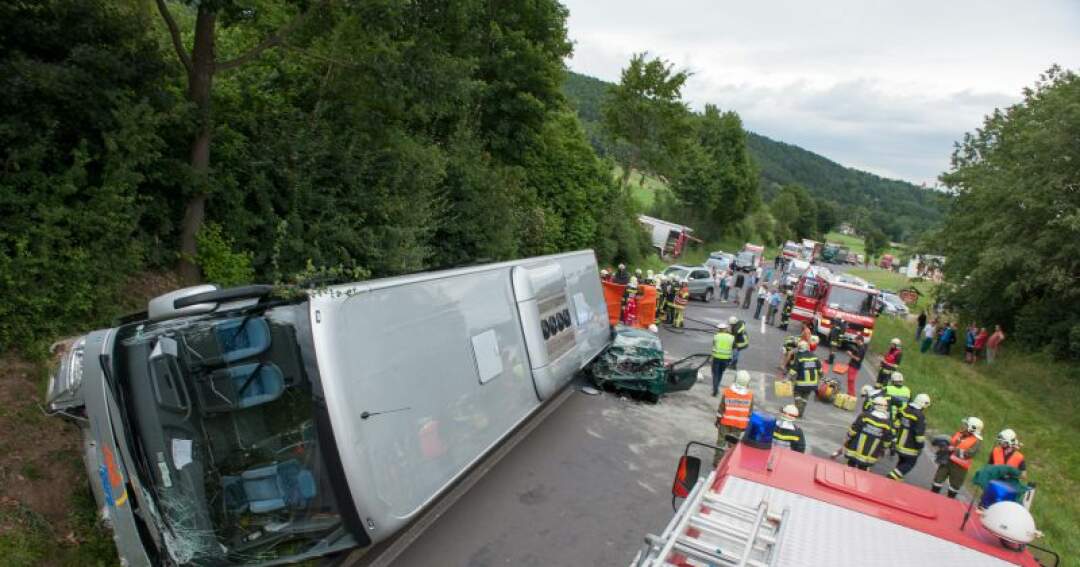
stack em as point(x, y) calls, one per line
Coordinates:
point(643, 193)
point(1026, 392)
point(855, 243)
point(895, 282)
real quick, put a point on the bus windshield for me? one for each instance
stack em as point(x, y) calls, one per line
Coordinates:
point(851, 300)
point(226, 415)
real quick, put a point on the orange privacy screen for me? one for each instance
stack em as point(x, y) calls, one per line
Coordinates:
point(613, 294)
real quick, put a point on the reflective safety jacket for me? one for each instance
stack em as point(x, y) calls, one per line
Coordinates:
point(789, 435)
point(898, 397)
point(682, 298)
point(723, 345)
point(965, 445)
point(910, 427)
point(1013, 458)
point(742, 339)
point(868, 437)
point(735, 407)
point(805, 369)
point(868, 400)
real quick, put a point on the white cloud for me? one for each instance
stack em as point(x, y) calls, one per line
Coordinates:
point(883, 86)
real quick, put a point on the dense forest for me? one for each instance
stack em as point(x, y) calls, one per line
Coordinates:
point(903, 211)
point(212, 138)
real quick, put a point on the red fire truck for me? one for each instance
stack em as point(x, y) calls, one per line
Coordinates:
point(772, 507)
point(823, 298)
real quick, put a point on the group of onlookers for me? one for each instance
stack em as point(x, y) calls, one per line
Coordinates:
point(939, 336)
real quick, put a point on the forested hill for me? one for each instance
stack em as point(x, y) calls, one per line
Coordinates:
point(901, 209)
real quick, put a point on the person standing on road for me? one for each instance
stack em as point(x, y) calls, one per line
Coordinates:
point(962, 448)
point(897, 393)
point(787, 433)
point(805, 370)
point(750, 284)
point(910, 427)
point(733, 413)
point(622, 277)
point(993, 344)
point(740, 280)
point(856, 354)
point(774, 306)
point(785, 313)
point(890, 362)
point(920, 324)
point(742, 339)
point(669, 300)
point(762, 295)
point(681, 299)
point(728, 283)
point(722, 352)
point(869, 436)
point(929, 332)
point(869, 394)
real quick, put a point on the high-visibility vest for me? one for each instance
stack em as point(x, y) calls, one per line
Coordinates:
point(723, 343)
point(997, 457)
point(965, 447)
point(736, 408)
point(808, 370)
point(682, 299)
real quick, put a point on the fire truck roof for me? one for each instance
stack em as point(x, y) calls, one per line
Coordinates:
point(839, 515)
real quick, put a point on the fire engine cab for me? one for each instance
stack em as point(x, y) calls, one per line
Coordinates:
point(765, 506)
point(823, 299)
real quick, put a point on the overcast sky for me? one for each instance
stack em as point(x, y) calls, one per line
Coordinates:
point(885, 86)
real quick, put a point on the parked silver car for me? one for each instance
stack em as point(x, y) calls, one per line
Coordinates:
point(891, 304)
point(698, 277)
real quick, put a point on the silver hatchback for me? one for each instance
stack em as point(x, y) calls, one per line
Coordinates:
point(699, 278)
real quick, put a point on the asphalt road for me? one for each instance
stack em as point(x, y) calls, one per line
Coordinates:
point(593, 478)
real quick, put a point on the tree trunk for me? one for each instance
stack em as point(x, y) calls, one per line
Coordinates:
point(200, 84)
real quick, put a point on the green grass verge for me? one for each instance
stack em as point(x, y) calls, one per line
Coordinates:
point(893, 281)
point(1026, 392)
point(642, 192)
point(855, 243)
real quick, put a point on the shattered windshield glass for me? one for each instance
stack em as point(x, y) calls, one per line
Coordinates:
point(226, 414)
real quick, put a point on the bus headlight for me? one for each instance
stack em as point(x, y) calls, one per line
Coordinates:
point(65, 381)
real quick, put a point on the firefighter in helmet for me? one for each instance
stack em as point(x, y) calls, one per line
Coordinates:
point(1007, 452)
point(681, 299)
point(890, 362)
point(805, 370)
point(742, 339)
point(869, 436)
point(910, 427)
point(733, 413)
point(787, 433)
point(962, 448)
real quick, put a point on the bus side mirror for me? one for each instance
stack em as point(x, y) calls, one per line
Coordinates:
point(686, 476)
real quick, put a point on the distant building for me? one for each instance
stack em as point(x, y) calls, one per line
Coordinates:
point(847, 229)
point(927, 266)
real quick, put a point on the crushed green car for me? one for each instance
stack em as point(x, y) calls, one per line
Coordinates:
point(634, 364)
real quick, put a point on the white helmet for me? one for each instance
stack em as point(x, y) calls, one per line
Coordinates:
point(881, 403)
point(897, 378)
point(804, 346)
point(974, 426)
point(814, 339)
point(867, 390)
point(649, 274)
point(653, 328)
point(732, 320)
point(622, 266)
point(722, 325)
point(633, 281)
point(1007, 438)
point(638, 271)
point(921, 401)
point(742, 379)
point(790, 411)
point(1011, 522)
point(895, 341)
point(604, 272)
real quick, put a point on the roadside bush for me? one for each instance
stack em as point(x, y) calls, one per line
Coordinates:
point(220, 263)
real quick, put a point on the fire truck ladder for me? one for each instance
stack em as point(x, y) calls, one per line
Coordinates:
point(709, 530)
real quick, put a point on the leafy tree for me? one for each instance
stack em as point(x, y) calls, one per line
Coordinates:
point(874, 241)
point(1012, 237)
point(828, 216)
point(645, 117)
point(785, 210)
point(201, 64)
point(796, 212)
point(82, 105)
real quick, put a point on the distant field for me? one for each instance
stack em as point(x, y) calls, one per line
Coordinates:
point(645, 193)
point(855, 243)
